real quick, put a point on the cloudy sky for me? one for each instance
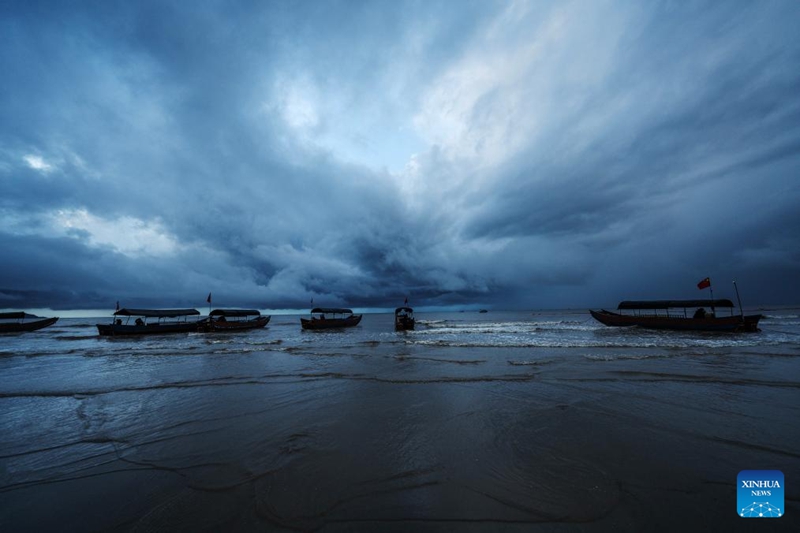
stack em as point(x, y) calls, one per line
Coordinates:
point(503, 154)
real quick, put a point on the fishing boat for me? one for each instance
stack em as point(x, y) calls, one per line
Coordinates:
point(150, 322)
point(19, 325)
point(330, 318)
point(404, 318)
point(228, 320)
point(679, 315)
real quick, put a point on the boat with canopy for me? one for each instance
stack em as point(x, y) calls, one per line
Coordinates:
point(330, 318)
point(229, 320)
point(15, 322)
point(150, 322)
point(679, 315)
point(404, 319)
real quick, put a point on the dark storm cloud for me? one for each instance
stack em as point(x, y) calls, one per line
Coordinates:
point(692, 165)
point(557, 155)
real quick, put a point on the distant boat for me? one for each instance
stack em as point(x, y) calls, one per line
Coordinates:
point(144, 324)
point(227, 320)
point(483, 311)
point(656, 314)
point(20, 325)
point(339, 318)
point(404, 318)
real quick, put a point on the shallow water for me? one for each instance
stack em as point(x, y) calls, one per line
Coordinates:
point(471, 422)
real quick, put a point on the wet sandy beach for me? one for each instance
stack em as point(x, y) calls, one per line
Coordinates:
point(505, 421)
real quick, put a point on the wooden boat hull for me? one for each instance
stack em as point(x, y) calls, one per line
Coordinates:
point(747, 323)
point(20, 327)
point(331, 323)
point(404, 324)
point(216, 326)
point(111, 330)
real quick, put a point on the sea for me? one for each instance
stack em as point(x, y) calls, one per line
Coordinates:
point(498, 421)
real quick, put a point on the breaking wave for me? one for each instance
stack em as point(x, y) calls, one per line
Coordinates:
point(531, 363)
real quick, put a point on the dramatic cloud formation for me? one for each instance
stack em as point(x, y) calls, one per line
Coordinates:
point(510, 154)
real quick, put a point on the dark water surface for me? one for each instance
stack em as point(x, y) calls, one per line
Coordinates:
point(474, 422)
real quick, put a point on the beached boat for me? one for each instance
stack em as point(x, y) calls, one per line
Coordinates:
point(678, 315)
point(228, 320)
point(404, 318)
point(329, 318)
point(145, 325)
point(19, 325)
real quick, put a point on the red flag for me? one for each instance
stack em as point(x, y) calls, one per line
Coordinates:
point(704, 284)
point(209, 298)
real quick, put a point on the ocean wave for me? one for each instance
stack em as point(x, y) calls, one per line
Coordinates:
point(370, 343)
point(531, 363)
point(465, 344)
point(625, 357)
point(73, 337)
point(273, 342)
point(31, 353)
point(239, 350)
point(305, 351)
point(430, 323)
point(533, 344)
point(560, 342)
point(776, 354)
point(220, 341)
point(514, 328)
point(403, 357)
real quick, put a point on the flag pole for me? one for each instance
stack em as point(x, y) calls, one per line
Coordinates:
point(741, 311)
point(710, 288)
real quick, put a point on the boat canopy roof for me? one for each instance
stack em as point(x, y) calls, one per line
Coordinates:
point(667, 304)
point(234, 312)
point(160, 313)
point(403, 309)
point(17, 314)
point(331, 310)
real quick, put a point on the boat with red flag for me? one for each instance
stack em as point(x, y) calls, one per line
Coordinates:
point(675, 314)
point(678, 315)
point(404, 319)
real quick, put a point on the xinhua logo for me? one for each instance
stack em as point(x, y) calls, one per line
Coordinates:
point(759, 494)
